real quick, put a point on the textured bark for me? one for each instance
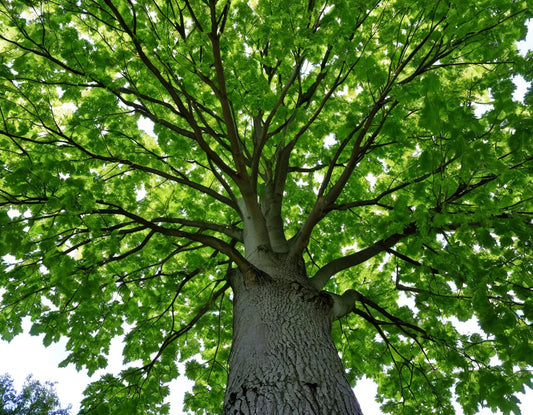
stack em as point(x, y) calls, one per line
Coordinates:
point(283, 360)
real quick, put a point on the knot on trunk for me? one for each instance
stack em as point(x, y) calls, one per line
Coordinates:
point(254, 277)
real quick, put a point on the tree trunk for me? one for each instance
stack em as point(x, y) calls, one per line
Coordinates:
point(283, 360)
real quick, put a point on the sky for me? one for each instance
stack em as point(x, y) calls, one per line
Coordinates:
point(26, 355)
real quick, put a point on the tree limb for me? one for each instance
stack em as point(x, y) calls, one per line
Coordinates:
point(323, 275)
point(215, 243)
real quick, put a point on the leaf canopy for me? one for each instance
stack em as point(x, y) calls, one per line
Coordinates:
point(148, 148)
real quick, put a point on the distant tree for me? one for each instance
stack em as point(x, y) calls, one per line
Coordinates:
point(34, 398)
point(295, 180)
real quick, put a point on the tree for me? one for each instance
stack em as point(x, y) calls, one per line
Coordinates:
point(34, 399)
point(309, 173)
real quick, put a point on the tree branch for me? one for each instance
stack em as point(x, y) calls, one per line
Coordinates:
point(173, 94)
point(323, 275)
point(323, 202)
point(391, 190)
point(236, 147)
point(215, 243)
point(230, 231)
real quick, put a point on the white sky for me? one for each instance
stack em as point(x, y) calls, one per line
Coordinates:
point(26, 355)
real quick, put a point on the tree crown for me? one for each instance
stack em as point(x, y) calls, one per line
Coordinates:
point(150, 148)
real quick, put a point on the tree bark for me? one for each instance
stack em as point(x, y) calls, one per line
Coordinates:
point(283, 360)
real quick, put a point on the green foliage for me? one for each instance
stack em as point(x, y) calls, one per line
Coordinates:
point(34, 398)
point(388, 129)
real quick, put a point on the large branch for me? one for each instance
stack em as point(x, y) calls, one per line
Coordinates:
point(326, 272)
point(323, 275)
point(233, 135)
point(271, 205)
point(211, 241)
point(282, 156)
point(324, 201)
point(255, 231)
point(230, 231)
point(261, 128)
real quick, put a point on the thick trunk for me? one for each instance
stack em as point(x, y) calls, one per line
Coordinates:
point(283, 360)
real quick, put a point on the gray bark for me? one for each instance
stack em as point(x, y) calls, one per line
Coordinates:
point(283, 360)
